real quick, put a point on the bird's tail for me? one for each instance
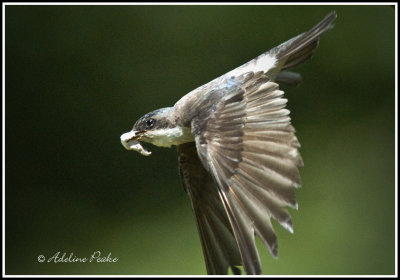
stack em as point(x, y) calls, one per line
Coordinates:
point(301, 48)
point(287, 55)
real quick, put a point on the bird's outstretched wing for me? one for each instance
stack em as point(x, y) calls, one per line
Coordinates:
point(244, 139)
point(217, 239)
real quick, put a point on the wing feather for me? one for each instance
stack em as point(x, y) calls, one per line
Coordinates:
point(219, 246)
point(248, 145)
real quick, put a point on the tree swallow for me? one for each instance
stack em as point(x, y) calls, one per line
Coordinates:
point(237, 151)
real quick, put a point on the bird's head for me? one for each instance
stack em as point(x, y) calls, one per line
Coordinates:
point(159, 128)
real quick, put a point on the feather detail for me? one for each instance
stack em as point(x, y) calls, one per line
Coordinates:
point(249, 146)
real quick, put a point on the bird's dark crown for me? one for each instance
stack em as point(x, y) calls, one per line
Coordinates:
point(157, 119)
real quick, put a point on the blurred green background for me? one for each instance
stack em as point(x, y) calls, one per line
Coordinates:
point(77, 77)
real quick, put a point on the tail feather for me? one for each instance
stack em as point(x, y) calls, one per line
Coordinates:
point(287, 55)
point(289, 78)
point(301, 48)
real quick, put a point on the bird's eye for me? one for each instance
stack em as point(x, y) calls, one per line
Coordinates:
point(150, 123)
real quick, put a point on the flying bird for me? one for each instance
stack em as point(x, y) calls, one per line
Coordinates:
point(237, 152)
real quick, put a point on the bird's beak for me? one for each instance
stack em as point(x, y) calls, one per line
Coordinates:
point(130, 141)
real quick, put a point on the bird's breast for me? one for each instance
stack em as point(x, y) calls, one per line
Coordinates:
point(167, 137)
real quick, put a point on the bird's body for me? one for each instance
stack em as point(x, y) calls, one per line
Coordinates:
point(238, 155)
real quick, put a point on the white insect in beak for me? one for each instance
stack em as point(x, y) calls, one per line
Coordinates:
point(129, 141)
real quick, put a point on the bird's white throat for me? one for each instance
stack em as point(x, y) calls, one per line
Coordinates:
point(167, 137)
